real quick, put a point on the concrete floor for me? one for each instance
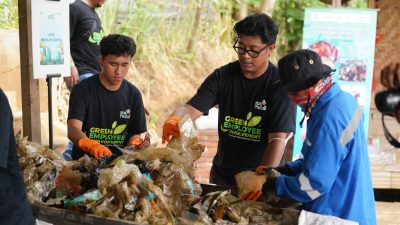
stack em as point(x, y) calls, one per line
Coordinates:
point(388, 213)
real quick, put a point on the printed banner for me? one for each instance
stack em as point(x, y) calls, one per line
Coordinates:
point(50, 38)
point(345, 40)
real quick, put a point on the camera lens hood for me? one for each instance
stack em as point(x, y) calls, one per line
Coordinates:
point(388, 102)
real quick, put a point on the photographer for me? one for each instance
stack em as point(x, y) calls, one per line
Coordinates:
point(388, 102)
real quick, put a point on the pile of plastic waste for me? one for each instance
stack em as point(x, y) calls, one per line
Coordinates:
point(149, 185)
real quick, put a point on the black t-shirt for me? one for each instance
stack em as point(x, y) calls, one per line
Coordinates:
point(249, 109)
point(109, 117)
point(85, 36)
point(14, 206)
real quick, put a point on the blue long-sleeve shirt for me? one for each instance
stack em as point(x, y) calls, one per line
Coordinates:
point(333, 177)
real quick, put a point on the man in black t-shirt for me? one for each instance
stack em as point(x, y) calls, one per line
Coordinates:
point(14, 206)
point(255, 115)
point(105, 109)
point(85, 33)
point(85, 36)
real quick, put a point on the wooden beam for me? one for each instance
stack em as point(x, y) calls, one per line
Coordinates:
point(29, 86)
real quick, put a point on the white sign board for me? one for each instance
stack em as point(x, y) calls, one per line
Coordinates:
point(50, 38)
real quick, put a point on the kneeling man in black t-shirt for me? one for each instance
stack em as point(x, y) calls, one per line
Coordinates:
point(105, 109)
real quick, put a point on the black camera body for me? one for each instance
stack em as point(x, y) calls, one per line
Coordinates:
point(388, 102)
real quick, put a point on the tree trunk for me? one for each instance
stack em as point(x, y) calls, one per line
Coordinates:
point(268, 7)
point(242, 10)
point(196, 25)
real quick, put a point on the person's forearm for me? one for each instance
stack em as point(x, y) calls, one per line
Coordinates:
point(188, 109)
point(75, 134)
point(181, 110)
point(275, 149)
point(273, 154)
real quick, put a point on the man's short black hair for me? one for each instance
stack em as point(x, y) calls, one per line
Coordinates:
point(258, 24)
point(117, 44)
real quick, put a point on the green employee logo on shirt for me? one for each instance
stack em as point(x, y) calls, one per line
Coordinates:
point(106, 136)
point(118, 129)
point(241, 128)
point(96, 37)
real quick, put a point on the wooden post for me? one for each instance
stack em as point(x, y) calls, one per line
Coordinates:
point(336, 3)
point(372, 4)
point(29, 86)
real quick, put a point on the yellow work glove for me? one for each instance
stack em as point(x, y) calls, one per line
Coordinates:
point(250, 184)
point(93, 147)
point(171, 128)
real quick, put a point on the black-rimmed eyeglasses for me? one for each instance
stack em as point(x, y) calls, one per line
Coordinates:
point(251, 53)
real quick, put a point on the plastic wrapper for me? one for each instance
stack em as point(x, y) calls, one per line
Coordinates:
point(68, 182)
point(107, 208)
point(119, 202)
point(174, 180)
point(187, 145)
point(183, 151)
point(43, 165)
point(179, 189)
point(144, 210)
point(32, 149)
point(82, 200)
point(30, 175)
point(160, 200)
point(40, 179)
point(84, 164)
point(135, 199)
point(111, 176)
point(26, 161)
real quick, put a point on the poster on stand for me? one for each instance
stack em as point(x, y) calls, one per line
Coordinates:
point(345, 40)
point(50, 38)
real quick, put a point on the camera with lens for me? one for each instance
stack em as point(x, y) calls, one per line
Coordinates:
point(388, 102)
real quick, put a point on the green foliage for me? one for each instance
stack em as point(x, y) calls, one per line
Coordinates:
point(165, 69)
point(8, 14)
point(289, 15)
point(358, 4)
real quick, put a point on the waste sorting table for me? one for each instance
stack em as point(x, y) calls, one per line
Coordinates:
point(59, 216)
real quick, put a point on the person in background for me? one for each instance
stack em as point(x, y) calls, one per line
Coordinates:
point(333, 177)
point(255, 115)
point(105, 109)
point(85, 36)
point(14, 206)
